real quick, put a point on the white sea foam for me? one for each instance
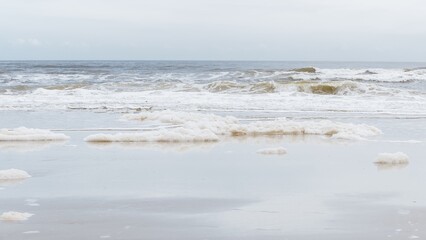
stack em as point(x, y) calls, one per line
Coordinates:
point(289, 127)
point(403, 141)
point(289, 97)
point(27, 146)
point(30, 134)
point(392, 158)
point(31, 232)
point(175, 117)
point(15, 216)
point(281, 126)
point(172, 135)
point(272, 151)
point(163, 146)
point(32, 202)
point(208, 127)
point(13, 174)
point(371, 74)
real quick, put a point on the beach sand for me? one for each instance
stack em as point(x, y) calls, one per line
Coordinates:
point(321, 189)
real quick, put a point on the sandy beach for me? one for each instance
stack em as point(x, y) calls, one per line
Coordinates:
point(322, 188)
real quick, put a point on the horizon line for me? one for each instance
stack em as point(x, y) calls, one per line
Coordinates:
point(209, 60)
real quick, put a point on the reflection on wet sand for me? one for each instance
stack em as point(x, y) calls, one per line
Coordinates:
point(364, 216)
point(28, 146)
point(10, 182)
point(390, 166)
point(387, 161)
point(168, 146)
point(15, 216)
point(152, 218)
point(207, 146)
point(276, 139)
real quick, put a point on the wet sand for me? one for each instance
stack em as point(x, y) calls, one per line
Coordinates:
point(354, 217)
point(320, 189)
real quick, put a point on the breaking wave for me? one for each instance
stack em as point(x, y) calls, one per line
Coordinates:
point(303, 86)
point(305, 70)
point(122, 86)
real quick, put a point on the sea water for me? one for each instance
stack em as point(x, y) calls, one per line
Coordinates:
point(313, 88)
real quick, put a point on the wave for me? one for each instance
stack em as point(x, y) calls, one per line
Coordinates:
point(319, 81)
point(221, 86)
point(306, 89)
point(331, 88)
point(263, 87)
point(371, 75)
point(305, 70)
point(70, 86)
point(302, 96)
point(415, 69)
point(44, 79)
point(236, 87)
point(304, 86)
point(340, 87)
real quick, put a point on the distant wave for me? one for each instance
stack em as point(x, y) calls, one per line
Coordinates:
point(305, 70)
point(312, 87)
point(47, 78)
point(322, 87)
point(300, 96)
point(415, 69)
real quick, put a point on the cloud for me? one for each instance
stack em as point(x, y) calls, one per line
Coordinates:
point(29, 41)
point(381, 30)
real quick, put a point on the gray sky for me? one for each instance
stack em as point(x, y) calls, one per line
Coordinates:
point(368, 30)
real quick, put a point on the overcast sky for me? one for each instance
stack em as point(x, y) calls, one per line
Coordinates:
point(354, 30)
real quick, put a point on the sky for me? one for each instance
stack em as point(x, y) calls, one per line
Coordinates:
point(299, 30)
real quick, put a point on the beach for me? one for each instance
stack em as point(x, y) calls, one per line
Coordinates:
point(214, 151)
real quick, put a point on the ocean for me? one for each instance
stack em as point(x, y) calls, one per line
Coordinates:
point(282, 88)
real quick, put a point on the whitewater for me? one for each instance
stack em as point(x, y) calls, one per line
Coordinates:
point(310, 88)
